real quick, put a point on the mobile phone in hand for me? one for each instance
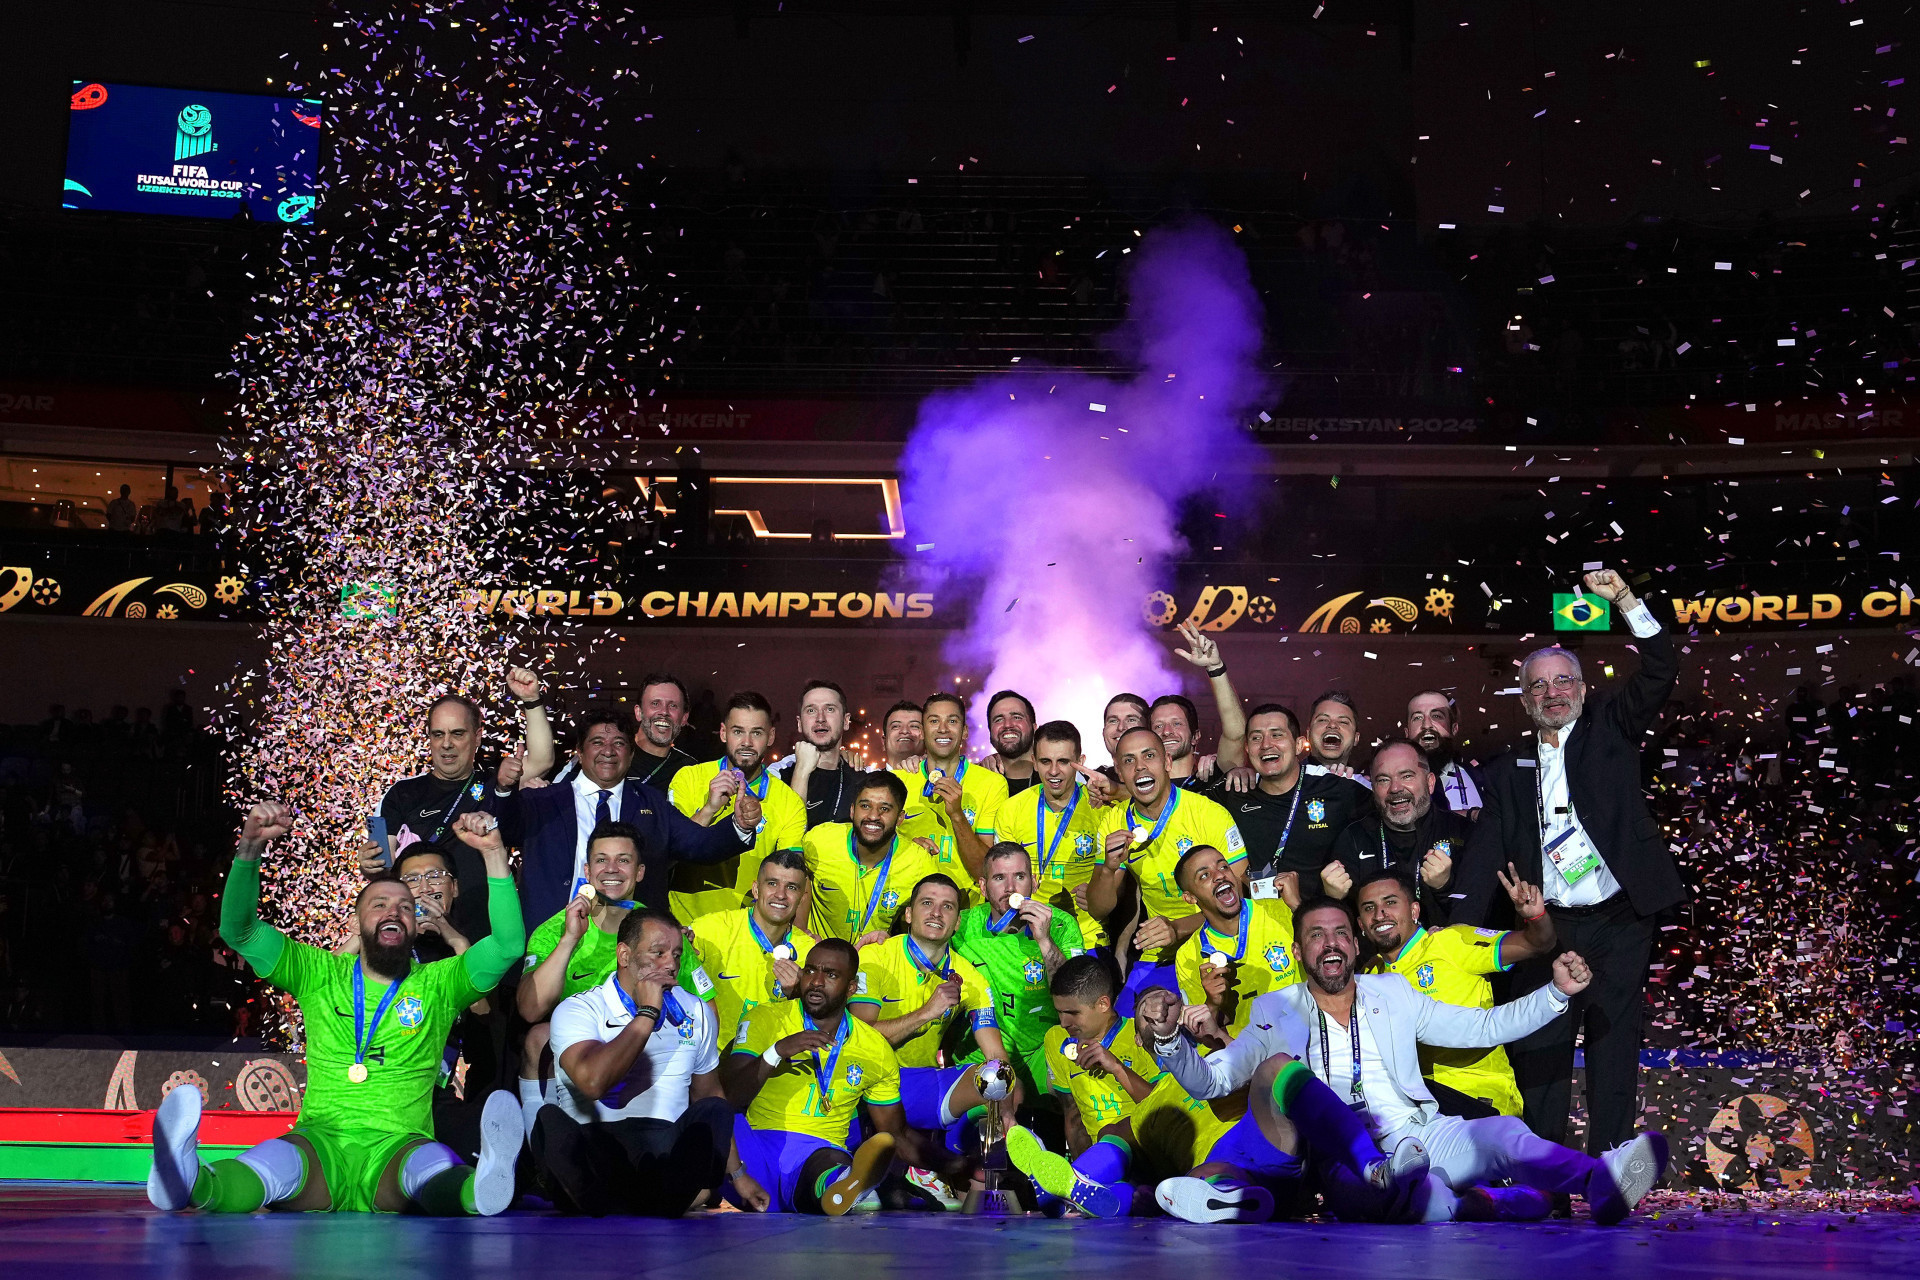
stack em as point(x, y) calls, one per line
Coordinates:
point(377, 832)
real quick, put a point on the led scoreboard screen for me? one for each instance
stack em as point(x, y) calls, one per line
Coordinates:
point(139, 149)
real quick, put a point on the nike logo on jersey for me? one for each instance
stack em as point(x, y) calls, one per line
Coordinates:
point(1250, 808)
point(580, 977)
point(728, 977)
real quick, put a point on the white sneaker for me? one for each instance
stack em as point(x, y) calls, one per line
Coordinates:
point(1624, 1177)
point(1197, 1200)
point(501, 1133)
point(928, 1181)
point(176, 1149)
point(1396, 1174)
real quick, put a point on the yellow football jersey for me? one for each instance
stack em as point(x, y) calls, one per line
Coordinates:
point(895, 978)
point(850, 898)
point(1188, 819)
point(1260, 955)
point(1450, 965)
point(1072, 849)
point(1173, 1131)
point(740, 962)
point(981, 793)
point(817, 1093)
point(700, 888)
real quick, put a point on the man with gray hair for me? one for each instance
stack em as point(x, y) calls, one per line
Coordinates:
point(1568, 812)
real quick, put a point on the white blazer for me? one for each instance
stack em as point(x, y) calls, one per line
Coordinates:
point(1400, 1018)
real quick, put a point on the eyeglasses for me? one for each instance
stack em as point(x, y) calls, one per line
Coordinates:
point(423, 877)
point(1560, 684)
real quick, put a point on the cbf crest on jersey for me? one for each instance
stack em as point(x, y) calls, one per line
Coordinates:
point(855, 1075)
point(410, 1012)
point(478, 791)
point(1424, 976)
point(889, 900)
point(1082, 847)
point(1035, 973)
point(1316, 811)
point(1183, 844)
point(1279, 959)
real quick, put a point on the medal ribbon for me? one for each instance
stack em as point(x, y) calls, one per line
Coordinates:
point(944, 969)
point(824, 1078)
point(362, 1033)
point(880, 881)
point(1243, 929)
point(1133, 818)
point(1040, 843)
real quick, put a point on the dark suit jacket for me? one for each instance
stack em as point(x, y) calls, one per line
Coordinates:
point(541, 824)
point(1603, 777)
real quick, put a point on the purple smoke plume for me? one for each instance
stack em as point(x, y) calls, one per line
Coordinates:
point(1060, 493)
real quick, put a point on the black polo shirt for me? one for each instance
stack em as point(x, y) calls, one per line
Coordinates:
point(830, 792)
point(1328, 803)
point(422, 809)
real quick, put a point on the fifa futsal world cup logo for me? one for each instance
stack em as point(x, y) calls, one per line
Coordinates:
point(193, 133)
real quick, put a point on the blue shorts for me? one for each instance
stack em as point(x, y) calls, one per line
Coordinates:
point(923, 1089)
point(1139, 978)
point(774, 1158)
point(1246, 1148)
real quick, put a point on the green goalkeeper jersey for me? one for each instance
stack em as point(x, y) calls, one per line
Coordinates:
point(1012, 964)
point(596, 956)
point(404, 1050)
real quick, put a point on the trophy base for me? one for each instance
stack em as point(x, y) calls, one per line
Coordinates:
point(993, 1202)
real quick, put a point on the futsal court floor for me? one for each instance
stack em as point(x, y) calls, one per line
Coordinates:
point(79, 1231)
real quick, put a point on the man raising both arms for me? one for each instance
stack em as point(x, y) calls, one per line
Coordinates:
point(1143, 839)
point(1451, 965)
point(376, 1028)
point(707, 794)
point(798, 1072)
point(754, 954)
point(1295, 813)
point(1242, 951)
point(861, 870)
point(951, 801)
point(819, 770)
point(1058, 823)
point(1017, 940)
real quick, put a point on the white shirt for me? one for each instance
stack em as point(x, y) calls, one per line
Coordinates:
point(1600, 884)
point(1388, 1110)
point(1462, 795)
point(586, 810)
point(658, 1084)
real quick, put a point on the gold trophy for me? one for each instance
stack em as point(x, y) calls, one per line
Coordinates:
point(991, 1198)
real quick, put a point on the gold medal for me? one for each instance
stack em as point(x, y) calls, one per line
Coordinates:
point(357, 1073)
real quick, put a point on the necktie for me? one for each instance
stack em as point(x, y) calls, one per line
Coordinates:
point(604, 814)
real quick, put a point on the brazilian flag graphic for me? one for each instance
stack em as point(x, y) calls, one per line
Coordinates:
point(1577, 612)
